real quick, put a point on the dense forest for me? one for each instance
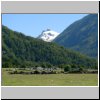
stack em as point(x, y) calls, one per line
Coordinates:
point(20, 51)
point(82, 36)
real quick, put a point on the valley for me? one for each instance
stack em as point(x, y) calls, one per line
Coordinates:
point(52, 59)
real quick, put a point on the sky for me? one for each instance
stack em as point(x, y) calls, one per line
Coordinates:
point(34, 24)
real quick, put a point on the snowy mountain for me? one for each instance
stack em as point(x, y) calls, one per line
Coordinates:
point(48, 35)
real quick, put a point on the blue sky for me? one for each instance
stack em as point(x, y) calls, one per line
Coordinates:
point(34, 24)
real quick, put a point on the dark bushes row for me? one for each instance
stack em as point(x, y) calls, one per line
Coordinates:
point(34, 72)
point(52, 72)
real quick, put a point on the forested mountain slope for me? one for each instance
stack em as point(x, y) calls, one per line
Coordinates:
point(82, 36)
point(19, 50)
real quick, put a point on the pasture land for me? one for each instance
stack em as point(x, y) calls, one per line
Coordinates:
point(48, 79)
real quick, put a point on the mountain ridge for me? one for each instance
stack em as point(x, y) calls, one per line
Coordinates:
point(82, 36)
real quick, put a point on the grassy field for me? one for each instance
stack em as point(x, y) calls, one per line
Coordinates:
point(49, 79)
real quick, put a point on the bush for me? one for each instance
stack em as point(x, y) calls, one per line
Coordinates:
point(67, 68)
point(36, 72)
point(81, 69)
point(44, 72)
point(13, 72)
point(21, 72)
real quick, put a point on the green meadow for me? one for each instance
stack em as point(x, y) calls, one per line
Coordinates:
point(48, 79)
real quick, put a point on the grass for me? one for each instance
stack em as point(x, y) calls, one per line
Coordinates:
point(48, 79)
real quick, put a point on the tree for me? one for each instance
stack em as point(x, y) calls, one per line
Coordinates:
point(81, 69)
point(67, 68)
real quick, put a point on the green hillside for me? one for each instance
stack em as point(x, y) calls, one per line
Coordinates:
point(19, 50)
point(81, 36)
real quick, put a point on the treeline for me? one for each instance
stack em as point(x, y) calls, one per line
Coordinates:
point(20, 51)
point(54, 70)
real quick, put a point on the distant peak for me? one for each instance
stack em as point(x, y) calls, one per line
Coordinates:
point(48, 35)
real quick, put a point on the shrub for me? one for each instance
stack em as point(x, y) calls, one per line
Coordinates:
point(36, 72)
point(44, 72)
point(67, 68)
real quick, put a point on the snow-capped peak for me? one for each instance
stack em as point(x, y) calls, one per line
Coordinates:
point(48, 35)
